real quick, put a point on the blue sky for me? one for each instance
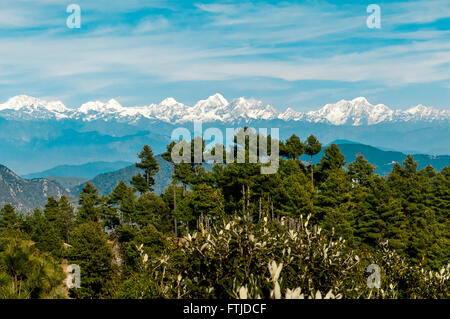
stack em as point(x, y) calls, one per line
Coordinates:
point(301, 54)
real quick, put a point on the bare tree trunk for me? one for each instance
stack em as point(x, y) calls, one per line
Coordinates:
point(174, 196)
point(243, 199)
point(312, 172)
point(175, 226)
point(259, 208)
point(248, 201)
point(175, 223)
point(271, 207)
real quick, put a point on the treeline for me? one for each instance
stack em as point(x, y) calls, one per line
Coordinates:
point(230, 232)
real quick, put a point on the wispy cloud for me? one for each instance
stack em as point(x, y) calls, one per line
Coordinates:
point(150, 24)
point(174, 43)
point(218, 8)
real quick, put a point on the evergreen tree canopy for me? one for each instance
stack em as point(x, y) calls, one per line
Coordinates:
point(90, 250)
point(293, 148)
point(312, 147)
point(89, 204)
point(149, 165)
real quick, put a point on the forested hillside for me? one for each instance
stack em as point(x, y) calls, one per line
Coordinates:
point(307, 231)
point(384, 160)
point(26, 194)
point(106, 182)
point(88, 170)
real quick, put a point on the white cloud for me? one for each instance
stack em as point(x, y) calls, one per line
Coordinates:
point(218, 8)
point(234, 41)
point(151, 24)
point(422, 11)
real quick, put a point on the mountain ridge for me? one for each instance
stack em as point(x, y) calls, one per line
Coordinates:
point(25, 194)
point(86, 170)
point(356, 112)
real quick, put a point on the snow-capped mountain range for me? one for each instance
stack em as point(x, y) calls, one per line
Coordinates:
point(216, 108)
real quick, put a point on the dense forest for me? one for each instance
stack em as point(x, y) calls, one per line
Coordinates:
point(307, 231)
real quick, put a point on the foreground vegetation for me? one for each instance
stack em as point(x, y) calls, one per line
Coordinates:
point(308, 231)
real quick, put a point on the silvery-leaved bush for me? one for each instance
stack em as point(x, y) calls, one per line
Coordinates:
point(289, 259)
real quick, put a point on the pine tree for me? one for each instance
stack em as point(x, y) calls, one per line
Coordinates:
point(334, 193)
point(203, 203)
point(92, 253)
point(292, 148)
point(167, 155)
point(51, 210)
point(441, 195)
point(139, 184)
point(360, 171)
point(414, 189)
point(152, 209)
point(149, 165)
point(207, 201)
point(312, 147)
point(26, 273)
point(89, 202)
point(60, 216)
point(45, 233)
point(197, 149)
point(333, 159)
point(366, 203)
point(65, 218)
point(297, 198)
point(184, 174)
point(123, 197)
point(8, 217)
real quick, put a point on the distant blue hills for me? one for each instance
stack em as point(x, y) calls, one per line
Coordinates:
point(106, 175)
point(382, 160)
point(70, 179)
point(88, 170)
point(35, 146)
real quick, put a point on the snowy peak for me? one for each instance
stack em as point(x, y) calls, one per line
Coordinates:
point(355, 112)
point(421, 112)
point(97, 106)
point(169, 102)
point(291, 115)
point(360, 99)
point(358, 111)
point(20, 101)
point(214, 108)
point(214, 101)
point(28, 108)
point(252, 109)
point(24, 101)
point(420, 109)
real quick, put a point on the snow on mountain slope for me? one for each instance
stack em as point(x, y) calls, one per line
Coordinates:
point(216, 108)
point(252, 109)
point(28, 108)
point(421, 112)
point(356, 112)
point(291, 115)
